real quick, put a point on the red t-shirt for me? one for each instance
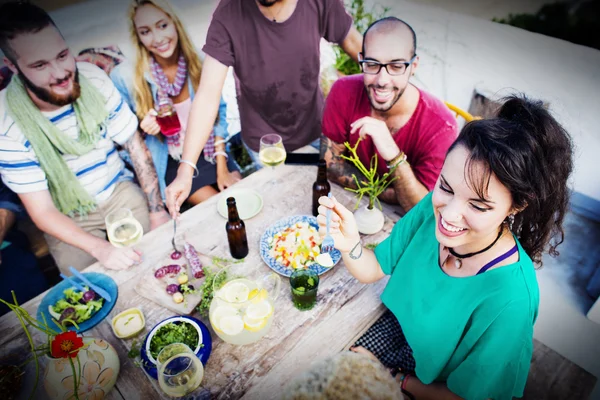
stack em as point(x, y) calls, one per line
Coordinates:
point(277, 65)
point(425, 138)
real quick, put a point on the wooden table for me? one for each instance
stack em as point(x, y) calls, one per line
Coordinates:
point(345, 307)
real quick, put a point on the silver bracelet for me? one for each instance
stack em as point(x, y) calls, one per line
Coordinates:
point(191, 164)
point(354, 248)
point(220, 153)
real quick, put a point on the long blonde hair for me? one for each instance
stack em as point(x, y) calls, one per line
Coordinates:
point(142, 94)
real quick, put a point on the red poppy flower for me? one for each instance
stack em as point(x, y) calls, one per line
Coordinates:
point(66, 344)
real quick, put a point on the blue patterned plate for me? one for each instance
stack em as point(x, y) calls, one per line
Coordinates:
point(281, 225)
point(56, 293)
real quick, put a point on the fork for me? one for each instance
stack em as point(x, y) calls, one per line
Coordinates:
point(174, 234)
point(327, 245)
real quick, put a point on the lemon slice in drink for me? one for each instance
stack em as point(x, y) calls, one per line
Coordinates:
point(231, 325)
point(260, 310)
point(254, 325)
point(235, 292)
point(257, 296)
point(219, 313)
point(325, 260)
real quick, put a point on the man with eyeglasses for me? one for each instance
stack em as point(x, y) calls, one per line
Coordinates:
point(406, 127)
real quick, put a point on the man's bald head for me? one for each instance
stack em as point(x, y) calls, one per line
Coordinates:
point(392, 26)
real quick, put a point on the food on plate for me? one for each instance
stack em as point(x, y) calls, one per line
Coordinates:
point(324, 260)
point(297, 246)
point(128, 323)
point(178, 297)
point(183, 278)
point(172, 269)
point(192, 256)
point(76, 306)
point(172, 288)
point(180, 332)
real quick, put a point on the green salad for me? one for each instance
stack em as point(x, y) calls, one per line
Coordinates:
point(76, 306)
point(173, 332)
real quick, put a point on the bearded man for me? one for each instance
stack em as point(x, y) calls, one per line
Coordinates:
point(59, 123)
point(409, 129)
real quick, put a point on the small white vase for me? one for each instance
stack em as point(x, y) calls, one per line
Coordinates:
point(369, 221)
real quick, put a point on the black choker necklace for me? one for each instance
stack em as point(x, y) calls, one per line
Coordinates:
point(459, 257)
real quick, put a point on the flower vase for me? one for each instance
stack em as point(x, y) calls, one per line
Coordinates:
point(99, 370)
point(369, 220)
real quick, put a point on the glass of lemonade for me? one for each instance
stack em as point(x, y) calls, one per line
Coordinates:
point(122, 228)
point(304, 283)
point(179, 370)
point(242, 309)
point(271, 153)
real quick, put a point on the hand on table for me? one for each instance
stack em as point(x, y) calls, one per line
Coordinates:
point(342, 228)
point(115, 258)
point(380, 133)
point(226, 179)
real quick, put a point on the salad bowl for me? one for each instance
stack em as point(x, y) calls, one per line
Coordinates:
point(202, 346)
point(57, 293)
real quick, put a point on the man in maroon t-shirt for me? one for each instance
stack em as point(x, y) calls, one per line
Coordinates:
point(405, 126)
point(273, 47)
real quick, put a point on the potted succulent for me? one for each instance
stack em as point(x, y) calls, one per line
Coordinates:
point(76, 367)
point(369, 219)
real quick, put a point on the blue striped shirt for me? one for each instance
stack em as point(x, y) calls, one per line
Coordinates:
point(98, 171)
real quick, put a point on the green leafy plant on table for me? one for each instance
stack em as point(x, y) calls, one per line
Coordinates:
point(362, 18)
point(372, 184)
point(64, 344)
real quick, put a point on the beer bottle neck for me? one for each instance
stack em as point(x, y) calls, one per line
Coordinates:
point(233, 214)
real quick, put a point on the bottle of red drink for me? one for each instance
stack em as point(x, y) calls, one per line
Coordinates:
point(167, 118)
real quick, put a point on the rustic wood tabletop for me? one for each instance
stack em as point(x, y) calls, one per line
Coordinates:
point(345, 307)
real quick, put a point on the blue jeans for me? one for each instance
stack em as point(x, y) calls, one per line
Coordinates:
point(19, 271)
point(254, 155)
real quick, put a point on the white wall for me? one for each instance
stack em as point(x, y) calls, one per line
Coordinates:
point(459, 53)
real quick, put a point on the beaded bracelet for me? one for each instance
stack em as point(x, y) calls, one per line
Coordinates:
point(399, 159)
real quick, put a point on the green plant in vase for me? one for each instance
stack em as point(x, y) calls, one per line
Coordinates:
point(64, 344)
point(362, 18)
point(372, 184)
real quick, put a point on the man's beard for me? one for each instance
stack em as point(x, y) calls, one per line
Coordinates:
point(377, 106)
point(49, 96)
point(267, 3)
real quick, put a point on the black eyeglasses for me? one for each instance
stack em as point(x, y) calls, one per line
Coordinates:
point(395, 68)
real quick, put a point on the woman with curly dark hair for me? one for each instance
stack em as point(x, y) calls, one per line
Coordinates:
point(462, 294)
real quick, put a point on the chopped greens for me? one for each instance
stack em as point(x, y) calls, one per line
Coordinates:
point(207, 286)
point(371, 246)
point(74, 301)
point(173, 332)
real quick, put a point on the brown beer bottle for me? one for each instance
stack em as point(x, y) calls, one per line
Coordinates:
point(236, 231)
point(321, 187)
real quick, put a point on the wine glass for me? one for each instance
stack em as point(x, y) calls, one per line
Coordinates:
point(122, 228)
point(180, 372)
point(271, 153)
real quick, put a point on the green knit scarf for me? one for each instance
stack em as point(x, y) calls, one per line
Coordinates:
point(48, 142)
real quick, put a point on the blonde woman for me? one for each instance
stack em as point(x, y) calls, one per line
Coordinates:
point(166, 71)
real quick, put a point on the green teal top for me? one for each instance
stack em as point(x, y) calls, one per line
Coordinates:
point(474, 333)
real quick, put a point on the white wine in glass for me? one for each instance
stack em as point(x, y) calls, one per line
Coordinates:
point(180, 372)
point(272, 153)
point(122, 228)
